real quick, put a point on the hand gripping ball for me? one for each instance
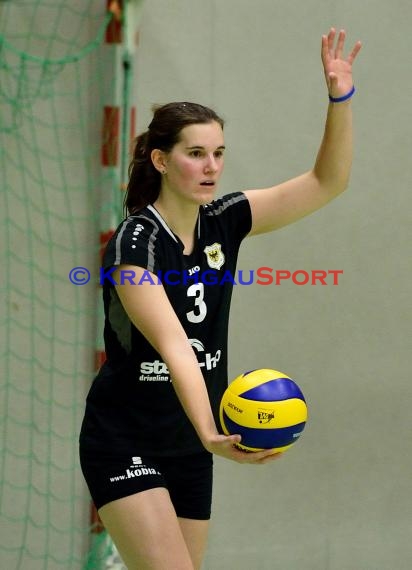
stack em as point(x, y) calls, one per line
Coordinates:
point(266, 407)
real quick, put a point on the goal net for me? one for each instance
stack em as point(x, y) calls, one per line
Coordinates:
point(58, 200)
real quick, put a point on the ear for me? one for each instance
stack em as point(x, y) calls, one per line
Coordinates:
point(159, 159)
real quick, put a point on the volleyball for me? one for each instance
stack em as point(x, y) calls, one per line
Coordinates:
point(266, 407)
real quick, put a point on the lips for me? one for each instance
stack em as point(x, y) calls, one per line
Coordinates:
point(207, 183)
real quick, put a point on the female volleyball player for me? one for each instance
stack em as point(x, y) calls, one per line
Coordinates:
point(150, 426)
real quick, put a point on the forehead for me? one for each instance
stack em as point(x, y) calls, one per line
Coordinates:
point(203, 135)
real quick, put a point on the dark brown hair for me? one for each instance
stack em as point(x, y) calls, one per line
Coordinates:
point(163, 133)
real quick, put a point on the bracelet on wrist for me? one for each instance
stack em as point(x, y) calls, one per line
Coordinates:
point(343, 98)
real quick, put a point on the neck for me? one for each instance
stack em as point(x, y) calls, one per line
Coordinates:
point(181, 219)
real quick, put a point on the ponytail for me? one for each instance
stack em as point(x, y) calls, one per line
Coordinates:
point(144, 180)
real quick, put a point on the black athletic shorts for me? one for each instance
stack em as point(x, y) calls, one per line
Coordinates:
point(188, 479)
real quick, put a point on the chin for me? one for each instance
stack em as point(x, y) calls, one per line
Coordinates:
point(206, 197)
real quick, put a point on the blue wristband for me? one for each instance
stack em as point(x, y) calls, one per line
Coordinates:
point(343, 98)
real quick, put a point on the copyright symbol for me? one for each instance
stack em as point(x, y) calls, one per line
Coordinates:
point(79, 276)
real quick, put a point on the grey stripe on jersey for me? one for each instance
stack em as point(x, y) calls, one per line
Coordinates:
point(118, 242)
point(151, 244)
point(229, 202)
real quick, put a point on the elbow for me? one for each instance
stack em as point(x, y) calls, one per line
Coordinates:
point(333, 186)
point(343, 185)
point(177, 350)
point(340, 187)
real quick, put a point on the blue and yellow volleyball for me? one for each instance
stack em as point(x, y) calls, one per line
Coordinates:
point(266, 407)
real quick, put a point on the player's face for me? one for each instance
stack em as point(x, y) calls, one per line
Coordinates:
point(195, 163)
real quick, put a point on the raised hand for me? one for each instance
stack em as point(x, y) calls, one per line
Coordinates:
point(337, 68)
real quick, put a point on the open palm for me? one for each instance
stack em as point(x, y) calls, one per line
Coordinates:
point(337, 68)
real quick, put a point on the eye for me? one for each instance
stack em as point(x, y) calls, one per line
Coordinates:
point(195, 153)
point(218, 154)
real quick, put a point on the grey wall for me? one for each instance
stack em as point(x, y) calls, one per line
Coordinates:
point(341, 499)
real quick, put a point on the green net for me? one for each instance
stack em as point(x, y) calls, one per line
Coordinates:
point(54, 82)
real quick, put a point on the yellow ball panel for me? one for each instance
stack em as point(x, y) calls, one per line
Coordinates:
point(255, 378)
point(264, 414)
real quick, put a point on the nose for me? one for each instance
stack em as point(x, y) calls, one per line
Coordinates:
point(211, 164)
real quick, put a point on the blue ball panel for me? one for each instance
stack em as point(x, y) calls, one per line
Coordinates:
point(264, 438)
point(273, 391)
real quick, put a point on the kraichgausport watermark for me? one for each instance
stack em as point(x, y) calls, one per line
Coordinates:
point(263, 276)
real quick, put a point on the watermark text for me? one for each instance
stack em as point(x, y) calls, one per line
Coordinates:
point(263, 276)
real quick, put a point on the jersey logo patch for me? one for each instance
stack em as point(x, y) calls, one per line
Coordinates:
point(214, 255)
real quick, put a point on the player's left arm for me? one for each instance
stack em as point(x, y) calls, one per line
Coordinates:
point(285, 203)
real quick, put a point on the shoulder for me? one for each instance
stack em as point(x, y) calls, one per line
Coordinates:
point(229, 202)
point(231, 213)
point(138, 227)
point(134, 241)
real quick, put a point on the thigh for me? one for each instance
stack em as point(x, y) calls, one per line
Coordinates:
point(195, 533)
point(146, 531)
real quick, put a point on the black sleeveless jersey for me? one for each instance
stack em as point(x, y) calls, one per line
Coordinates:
point(132, 401)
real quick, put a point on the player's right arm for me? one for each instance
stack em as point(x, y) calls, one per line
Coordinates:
point(149, 309)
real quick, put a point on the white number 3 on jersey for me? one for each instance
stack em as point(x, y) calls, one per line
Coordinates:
point(197, 290)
